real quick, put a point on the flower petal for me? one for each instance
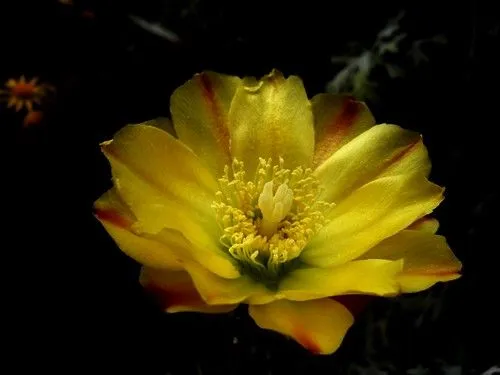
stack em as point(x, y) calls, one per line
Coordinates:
point(372, 213)
point(337, 120)
point(159, 161)
point(216, 290)
point(372, 276)
point(175, 292)
point(427, 258)
point(417, 283)
point(118, 220)
point(318, 325)
point(355, 303)
point(200, 110)
point(162, 123)
point(165, 186)
point(383, 150)
point(426, 224)
point(272, 118)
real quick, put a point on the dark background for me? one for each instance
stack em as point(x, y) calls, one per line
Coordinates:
point(73, 303)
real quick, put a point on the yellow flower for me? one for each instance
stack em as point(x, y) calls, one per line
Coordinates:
point(257, 195)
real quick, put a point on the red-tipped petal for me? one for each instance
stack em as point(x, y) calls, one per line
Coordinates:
point(175, 292)
point(318, 325)
point(337, 120)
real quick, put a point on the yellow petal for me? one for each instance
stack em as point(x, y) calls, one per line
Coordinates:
point(427, 258)
point(383, 150)
point(117, 220)
point(373, 277)
point(372, 213)
point(216, 290)
point(164, 254)
point(162, 123)
point(318, 325)
point(272, 118)
point(337, 120)
point(165, 250)
point(162, 164)
point(200, 110)
point(165, 186)
point(417, 283)
point(175, 292)
point(426, 224)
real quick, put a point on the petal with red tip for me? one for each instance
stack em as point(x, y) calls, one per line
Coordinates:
point(355, 303)
point(337, 120)
point(200, 110)
point(166, 187)
point(175, 292)
point(117, 219)
point(370, 214)
point(383, 150)
point(427, 259)
point(318, 325)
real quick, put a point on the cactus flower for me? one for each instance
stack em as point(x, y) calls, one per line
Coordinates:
point(255, 194)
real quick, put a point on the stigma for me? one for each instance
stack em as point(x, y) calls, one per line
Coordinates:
point(267, 220)
point(274, 208)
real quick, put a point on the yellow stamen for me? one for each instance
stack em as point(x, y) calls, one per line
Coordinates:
point(268, 221)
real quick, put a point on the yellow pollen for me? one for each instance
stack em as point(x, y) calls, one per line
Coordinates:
point(267, 221)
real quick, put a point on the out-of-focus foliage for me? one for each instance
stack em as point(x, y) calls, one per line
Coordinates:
point(156, 29)
point(360, 65)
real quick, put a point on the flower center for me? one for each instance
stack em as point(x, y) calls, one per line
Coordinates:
point(268, 220)
point(24, 90)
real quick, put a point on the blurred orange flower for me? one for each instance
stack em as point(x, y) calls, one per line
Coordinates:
point(23, 94)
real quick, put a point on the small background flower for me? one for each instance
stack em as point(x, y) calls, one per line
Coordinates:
point(76, 299)
point(28, 96)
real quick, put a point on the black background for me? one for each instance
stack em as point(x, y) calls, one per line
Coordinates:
point(72, 300)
